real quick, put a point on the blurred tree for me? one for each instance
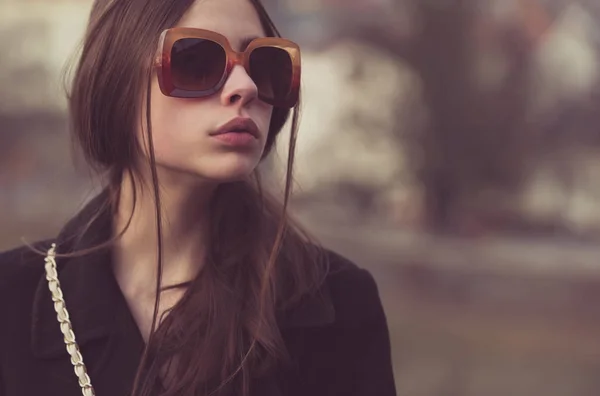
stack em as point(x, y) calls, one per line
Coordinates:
point(477, 139)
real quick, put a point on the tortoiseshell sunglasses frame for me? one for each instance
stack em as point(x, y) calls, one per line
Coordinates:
point(170, 36)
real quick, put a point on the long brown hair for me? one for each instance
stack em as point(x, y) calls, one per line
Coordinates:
point(224, 332)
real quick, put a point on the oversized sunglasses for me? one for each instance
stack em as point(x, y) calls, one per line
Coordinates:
point(194, 63)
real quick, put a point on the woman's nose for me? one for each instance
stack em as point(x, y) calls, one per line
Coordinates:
point(239, 87)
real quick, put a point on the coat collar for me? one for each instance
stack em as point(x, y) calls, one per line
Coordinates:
point(92, 293)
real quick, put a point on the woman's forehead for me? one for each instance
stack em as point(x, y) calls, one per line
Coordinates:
point(235, 19)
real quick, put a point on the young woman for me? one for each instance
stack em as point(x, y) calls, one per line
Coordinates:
point(183, 277)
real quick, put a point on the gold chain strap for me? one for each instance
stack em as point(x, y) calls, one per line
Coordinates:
point(65, 323)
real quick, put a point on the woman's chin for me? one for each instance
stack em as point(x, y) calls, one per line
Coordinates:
point(228, 171)
point(216, 172)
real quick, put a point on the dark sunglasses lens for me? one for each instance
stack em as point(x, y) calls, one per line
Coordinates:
point(271, 70)
point(197, 64)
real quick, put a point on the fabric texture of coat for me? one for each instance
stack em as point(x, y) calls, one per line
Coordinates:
point(338, 339)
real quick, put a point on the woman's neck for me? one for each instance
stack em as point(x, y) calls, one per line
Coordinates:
point(184, 225)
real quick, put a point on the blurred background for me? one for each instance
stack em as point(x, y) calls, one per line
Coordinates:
point(451, 147)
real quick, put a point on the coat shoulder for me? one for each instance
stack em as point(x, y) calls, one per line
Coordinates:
point(351, 354)
point(21, 269)
point(353, 291)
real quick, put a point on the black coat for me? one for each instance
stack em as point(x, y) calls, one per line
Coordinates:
point(339, 341)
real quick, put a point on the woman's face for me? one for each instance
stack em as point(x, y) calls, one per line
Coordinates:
point(183, 130)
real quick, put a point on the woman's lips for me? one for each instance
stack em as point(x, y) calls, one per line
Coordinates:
point(236, 138)
point(238, 125)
